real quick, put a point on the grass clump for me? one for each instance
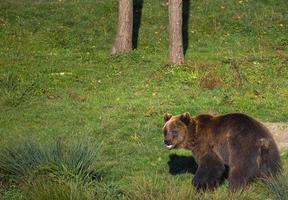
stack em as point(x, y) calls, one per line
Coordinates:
point(156, 189)
point(61, 189)
point(11, 193)
point(66, 190)
point(278, 187)
point(26, 159)
point(56, 170)
point(75, 159)
point(17, 88)
point(17, 161)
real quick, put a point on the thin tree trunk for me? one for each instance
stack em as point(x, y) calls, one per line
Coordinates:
point(176, 55)
point(123, 40)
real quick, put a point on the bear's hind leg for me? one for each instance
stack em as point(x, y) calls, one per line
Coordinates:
point(238, 179)
point(270, 161)
point(242, 168)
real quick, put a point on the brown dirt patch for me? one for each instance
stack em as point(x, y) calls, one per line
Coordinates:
point(211, 81)
point(280, 133)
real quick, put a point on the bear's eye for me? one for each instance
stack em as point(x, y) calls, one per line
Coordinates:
point(174, 133)
point(165, 132)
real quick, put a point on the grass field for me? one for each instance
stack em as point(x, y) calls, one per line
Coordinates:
point(90, 123)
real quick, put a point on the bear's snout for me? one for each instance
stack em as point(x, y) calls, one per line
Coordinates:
point(167, 142)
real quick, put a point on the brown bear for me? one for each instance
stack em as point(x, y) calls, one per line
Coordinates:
point(234, 141)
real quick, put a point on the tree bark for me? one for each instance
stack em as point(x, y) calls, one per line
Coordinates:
point(176, 54)
point(123, 40)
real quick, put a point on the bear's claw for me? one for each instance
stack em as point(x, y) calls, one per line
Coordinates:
point(205, 183)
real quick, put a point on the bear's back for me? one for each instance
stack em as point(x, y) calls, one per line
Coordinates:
point(241, 125)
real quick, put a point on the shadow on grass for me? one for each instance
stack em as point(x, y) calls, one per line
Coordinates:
point(187, 164)
point(181, 164)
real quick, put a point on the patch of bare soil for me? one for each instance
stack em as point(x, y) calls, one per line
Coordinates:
point(280, 133)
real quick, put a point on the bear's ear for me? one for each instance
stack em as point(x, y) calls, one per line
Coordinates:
point(185, 117)
point(167, 116)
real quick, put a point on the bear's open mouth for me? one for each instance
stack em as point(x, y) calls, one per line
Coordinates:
point(170, 146)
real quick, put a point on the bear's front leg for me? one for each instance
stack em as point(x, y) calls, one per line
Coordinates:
point(209, 172)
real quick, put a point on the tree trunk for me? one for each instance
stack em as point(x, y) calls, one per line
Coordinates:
point(123, 40)
point(176, 55)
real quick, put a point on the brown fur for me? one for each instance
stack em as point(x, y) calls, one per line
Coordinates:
point(234, 140)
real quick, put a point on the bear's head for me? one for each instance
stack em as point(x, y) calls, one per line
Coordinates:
point(176, 130)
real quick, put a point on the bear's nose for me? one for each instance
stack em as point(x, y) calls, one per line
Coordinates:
point(167, 142)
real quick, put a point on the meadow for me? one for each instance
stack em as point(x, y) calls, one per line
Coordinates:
point(78, 123)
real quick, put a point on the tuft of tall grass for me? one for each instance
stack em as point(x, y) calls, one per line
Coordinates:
point(110, 190)
point(58, 190)
point(278, 187)
point(16, 88)
point(154, 188)
point(26, 160)
point(17, 161)
point(57, 170)
point(11, 193)
point(168, 188)
point(77, 159)
point(66, 190)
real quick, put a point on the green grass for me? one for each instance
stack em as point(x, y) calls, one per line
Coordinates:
point(67, 190)
point(278, 188)
point(57, 79)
